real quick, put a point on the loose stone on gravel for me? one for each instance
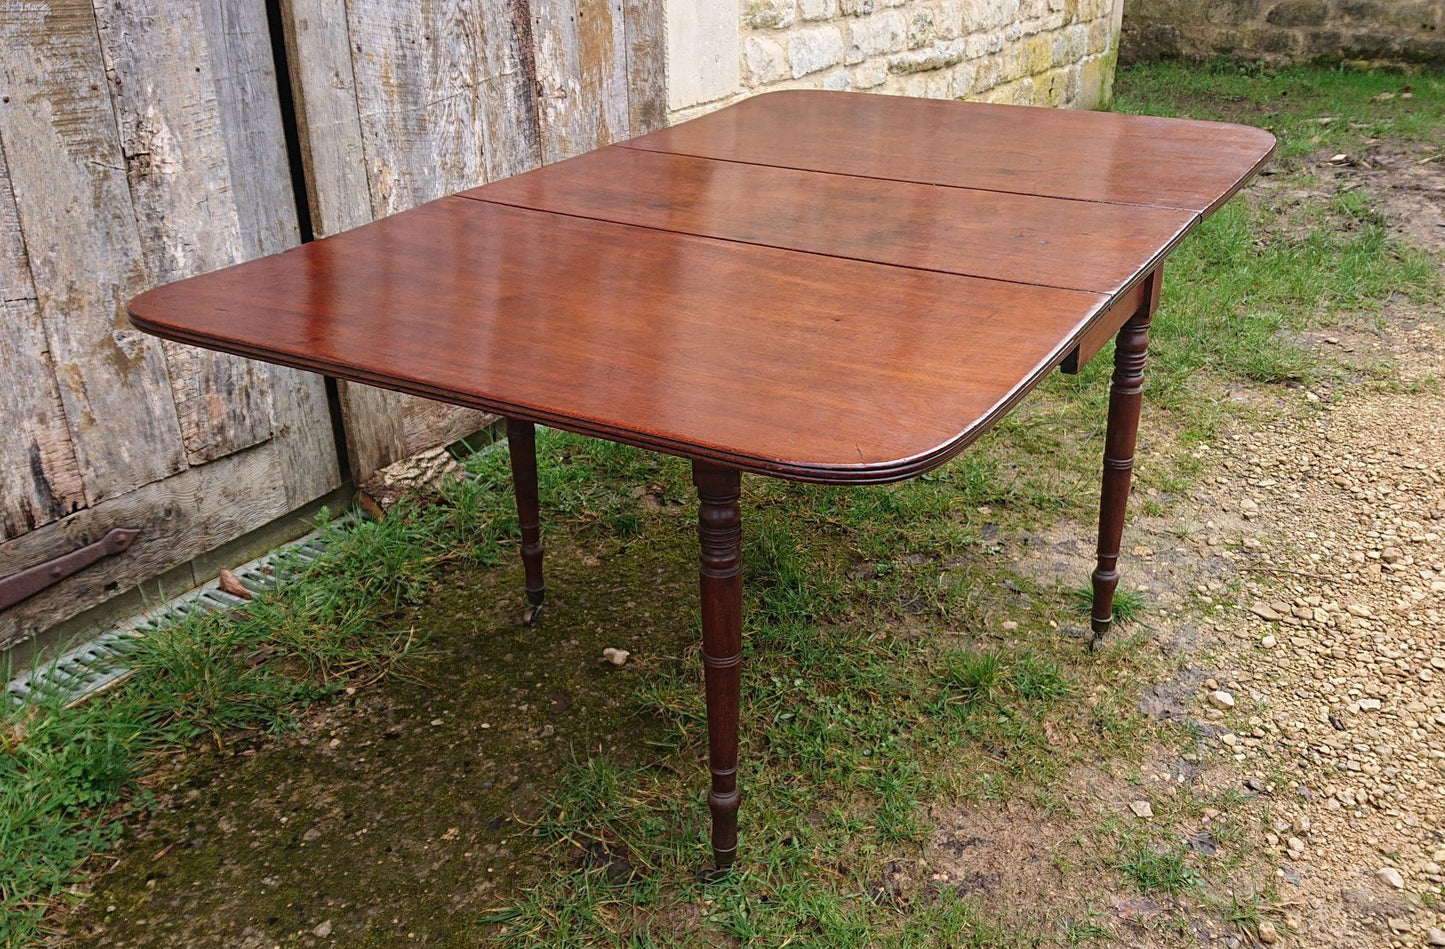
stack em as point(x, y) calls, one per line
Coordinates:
point(1265, 612)
point(1391, 876)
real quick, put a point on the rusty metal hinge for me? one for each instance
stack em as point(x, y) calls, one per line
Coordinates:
point(30, 581)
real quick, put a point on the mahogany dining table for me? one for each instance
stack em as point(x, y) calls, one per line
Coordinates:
point(826, 287)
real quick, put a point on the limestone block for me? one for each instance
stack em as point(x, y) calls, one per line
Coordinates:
point(1404, 16)
point(920, 28)
point(948, 19)
point(979, 46)
point(814, 48)
point(763, 60)
point(1051, 89)
point(1038, 54)
point(961, 80)
point(1071, 44)
point(1018, 92)
point(1096, 77)
point(989, 14)
point(1101, 33)
point(838, 81)
point(818, 9)
point(703, 52)
point(879, 34)
point(987, 73)
point(769, 14)
point(932, 57)
point(872, 73)
point(1299, 13)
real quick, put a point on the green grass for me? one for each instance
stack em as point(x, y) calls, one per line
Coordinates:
point(1154, 869)
point(881, 680)
point(1129, 605)
point(1291, 102)
point(69, 775)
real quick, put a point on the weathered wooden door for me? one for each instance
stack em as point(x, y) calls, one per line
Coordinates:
point(144, 140)
point(140, 141)
point(400, 103)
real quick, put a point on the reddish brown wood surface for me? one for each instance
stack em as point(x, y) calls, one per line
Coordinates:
point(1093, 156)
point(720, 588)
point(804, 324)
point(522, 451)
point(1080, 245)
point(806, 366)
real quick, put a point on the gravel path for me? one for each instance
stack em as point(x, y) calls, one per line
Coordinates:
point(1330, 690)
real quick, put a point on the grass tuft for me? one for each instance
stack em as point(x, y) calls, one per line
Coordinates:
point(1158, 870)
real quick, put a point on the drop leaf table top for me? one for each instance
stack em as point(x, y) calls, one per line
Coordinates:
point(816, 285)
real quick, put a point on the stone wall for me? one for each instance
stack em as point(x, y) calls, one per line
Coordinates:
point(1372, 32)
point(1031, 52)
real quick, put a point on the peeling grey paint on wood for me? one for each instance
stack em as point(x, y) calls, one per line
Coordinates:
point(442, 97)
point(178, 166)
point(151, 148)
point(74, 207)
point(244, 78)
point(646, 65)
point(318, 44)
point(39, 477)
point(581, 56)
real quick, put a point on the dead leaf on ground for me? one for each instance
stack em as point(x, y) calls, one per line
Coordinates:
point(229, 584)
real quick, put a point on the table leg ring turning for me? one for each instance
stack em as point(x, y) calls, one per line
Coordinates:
point(720, 582)
point(1125, 397)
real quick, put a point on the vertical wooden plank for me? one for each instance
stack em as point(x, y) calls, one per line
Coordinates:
point(243, 75)
point(179, 170)
point(442, 99)
point(646, 65)
point(39, 477)
point(323, 86)
point(581, 53)
point(244, 72)
point(74, 207)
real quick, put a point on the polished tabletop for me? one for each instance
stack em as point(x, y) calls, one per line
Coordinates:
point(820, 286)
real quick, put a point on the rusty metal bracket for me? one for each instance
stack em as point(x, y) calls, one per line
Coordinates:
point(30, 581)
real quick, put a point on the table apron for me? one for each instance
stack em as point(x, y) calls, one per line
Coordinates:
point(1144, 293)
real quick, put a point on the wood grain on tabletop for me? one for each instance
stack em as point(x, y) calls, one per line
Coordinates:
point(1079, 245)
point(669, 341)
point(688, 302)
point(1062, 153)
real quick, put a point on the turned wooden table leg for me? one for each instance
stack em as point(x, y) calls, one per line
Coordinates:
point(1125, 397)
point(719, 526)
point(522, 445)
